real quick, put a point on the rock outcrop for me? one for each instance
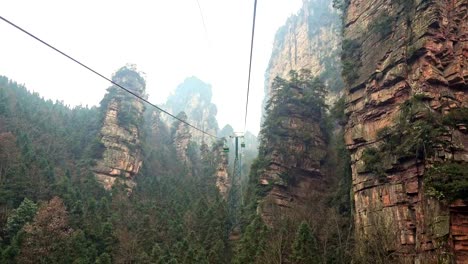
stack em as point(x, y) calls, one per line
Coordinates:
point(182, 138)
point(120, 133)
point(394, 52)
point(193, 97)
point(293, 172)
point(309, 40)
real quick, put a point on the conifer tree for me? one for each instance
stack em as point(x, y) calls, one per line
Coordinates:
point(304, 248)
point(78, 248)
point(104, 258)
point(253, 241)
point(22, 215)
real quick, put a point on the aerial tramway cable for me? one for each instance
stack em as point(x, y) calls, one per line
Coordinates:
point(250, 63)
point(203, 20)
point(105, 78)
point(235, 201)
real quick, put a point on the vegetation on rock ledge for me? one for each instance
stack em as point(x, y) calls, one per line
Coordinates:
point(416, 135)
point(351, 59)
point(447, 181)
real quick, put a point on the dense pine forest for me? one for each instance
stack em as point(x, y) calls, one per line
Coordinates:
point(54, 211)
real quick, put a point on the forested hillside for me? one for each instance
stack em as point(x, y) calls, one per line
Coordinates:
point(53, 210)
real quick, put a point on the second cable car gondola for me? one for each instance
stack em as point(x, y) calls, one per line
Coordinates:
point(225, 147)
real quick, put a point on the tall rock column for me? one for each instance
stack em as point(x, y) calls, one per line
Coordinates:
point(400, 55)
point(293, 146)
point(182, 138)
point(308, 40)
point(193, 97)
point(120, 139)
point(293, 156)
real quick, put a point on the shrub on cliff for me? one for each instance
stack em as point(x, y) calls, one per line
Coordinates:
point(448, 181)
point(456, 117)
point(301, 95)
point(382, 25)
point(351, 59)
point(416, 135)
point(341, 4)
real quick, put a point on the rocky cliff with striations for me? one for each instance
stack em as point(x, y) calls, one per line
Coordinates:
point(311, 39)
point(291, 172)
point(406, 68)
point(193, 97)
point(293, 145)
point(182, 137)
point(119, 138)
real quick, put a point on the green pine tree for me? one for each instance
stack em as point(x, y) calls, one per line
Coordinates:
point(104, 258)
point(22, 215)
point(304, 248)
point(157, 254)
point(8, 255)
point(78, 248)
point(252, 244)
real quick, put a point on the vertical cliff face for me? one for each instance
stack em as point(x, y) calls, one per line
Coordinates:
point(311, 39)
point(182, 138)
point(291, 172)
point(293, 147)
point(193, 97)
point(120, 137)
point(405, 64)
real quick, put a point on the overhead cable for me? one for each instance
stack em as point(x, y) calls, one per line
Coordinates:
point(250, 64)
point(203, 21)
point(105, 78)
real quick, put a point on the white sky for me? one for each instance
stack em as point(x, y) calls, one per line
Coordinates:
point(165, 39)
